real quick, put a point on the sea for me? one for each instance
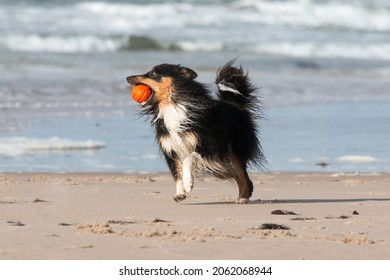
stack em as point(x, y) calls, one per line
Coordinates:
point(322, 68)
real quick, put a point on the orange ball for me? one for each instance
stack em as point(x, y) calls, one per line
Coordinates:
point(141, 93)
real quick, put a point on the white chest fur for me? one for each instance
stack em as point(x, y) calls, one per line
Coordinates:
point(174, 116)
point(176, 121)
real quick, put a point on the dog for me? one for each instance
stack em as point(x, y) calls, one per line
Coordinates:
point(197, 131)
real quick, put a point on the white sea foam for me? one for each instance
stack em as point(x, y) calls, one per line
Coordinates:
point(306, 13)
point(357, 159)
point(326, 50)
point(86, 44)
point(59, 44)
point(198, 45)
point(316, 14)
point(19, 146)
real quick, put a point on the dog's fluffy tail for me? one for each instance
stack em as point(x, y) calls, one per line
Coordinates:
point(235, 86)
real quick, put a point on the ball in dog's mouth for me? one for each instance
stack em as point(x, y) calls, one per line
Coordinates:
point(141, 93)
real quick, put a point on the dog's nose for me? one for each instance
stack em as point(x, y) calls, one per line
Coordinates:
point(129, 79)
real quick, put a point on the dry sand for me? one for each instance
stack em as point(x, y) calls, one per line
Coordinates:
point(121, 216)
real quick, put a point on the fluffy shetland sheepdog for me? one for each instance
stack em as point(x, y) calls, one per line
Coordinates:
point(196, 132)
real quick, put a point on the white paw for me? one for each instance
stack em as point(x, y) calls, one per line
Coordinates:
point(242, 200)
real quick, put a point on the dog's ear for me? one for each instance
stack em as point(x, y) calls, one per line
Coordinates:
point(188, 73)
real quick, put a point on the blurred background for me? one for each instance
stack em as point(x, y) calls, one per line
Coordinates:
point(322, 66)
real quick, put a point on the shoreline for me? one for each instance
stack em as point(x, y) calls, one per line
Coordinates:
point(302, 215)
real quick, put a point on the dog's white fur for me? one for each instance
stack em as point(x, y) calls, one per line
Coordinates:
point(175, 120)
point(223, 87)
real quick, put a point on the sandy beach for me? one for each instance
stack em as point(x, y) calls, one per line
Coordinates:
point(131, 216)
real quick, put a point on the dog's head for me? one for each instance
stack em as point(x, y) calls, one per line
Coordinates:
point(164, 80)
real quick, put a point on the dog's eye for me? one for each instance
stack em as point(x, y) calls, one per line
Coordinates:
point(153, 73)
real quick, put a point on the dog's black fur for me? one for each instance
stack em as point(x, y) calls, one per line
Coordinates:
point(198, 132)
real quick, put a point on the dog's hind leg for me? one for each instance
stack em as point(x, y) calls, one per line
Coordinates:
point(240, 175)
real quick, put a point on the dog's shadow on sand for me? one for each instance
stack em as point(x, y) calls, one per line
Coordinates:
point(295, 201)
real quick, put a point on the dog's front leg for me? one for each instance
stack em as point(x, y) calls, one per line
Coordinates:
point(185, 182)
point(188, 172)
point(180, 189)
point(176, 168)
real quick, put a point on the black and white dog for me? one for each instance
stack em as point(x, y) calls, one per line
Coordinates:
point(196, 132)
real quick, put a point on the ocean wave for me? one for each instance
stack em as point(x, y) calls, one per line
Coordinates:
point(294, 13)
point(59, 44)
point(297, 28)
point(120, 18)
point(380, 51)
point(90, 44)
point(82, 43)
point(19, 146)
point(318, 14)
